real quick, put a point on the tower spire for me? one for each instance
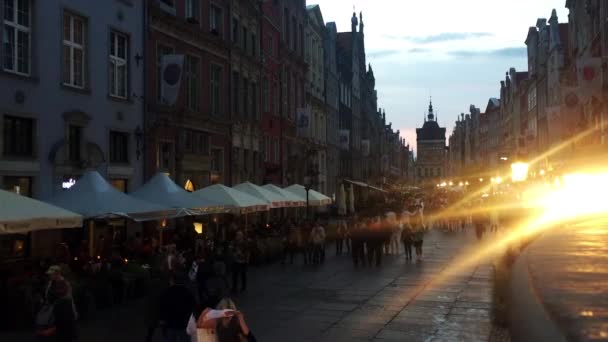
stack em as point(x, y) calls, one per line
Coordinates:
point(431, 115)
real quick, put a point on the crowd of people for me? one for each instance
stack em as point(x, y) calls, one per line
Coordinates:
point(204, 274)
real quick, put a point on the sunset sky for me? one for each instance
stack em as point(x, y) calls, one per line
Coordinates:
point(456, 51)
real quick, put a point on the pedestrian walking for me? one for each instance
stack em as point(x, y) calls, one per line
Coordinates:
point(395, 235)
point(419, 230)
point(317, 238)
point(357, 244)
point(340, 235)
point(177, 304)
point(56, 320)
point(407, 238)
point(240, 250)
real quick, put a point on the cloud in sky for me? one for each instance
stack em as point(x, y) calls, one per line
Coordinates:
point(419, 50)
point(456, 51)
point(381, 53)
point(504, 52)
point(444, 37)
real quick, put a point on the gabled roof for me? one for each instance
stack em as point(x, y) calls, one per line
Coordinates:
point(315, 10)
point(520, 76)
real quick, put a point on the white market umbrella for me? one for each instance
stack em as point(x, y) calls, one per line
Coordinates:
point(162, 190)
point(20, 215)
point(342, 201)
point(293, 199)
point(240, 202)
point(351, 199)
point(273, 199)
point(94, 198)
point(315, 198)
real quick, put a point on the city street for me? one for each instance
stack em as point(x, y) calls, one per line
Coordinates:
point(336, 302)
point(569, 270)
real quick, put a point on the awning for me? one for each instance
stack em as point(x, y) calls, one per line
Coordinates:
point(94, 198)
point(364, 185)
point(20, 214)
point(240, 202)
point(162, 190)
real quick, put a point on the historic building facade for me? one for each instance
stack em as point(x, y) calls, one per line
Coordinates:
point(72, 98)
point(188, 127)
point(316, 134)
point(332, 107)
point(272, 122)
point(431, 150)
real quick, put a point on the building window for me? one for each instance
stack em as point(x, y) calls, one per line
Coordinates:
point(267, 149)
point(119, 147)
point(16, 42)
point(235, 31)
point(202, 143)
point(74, 142)
point(19, 185)
point(119, 52)
point(254, 50)
point(265, 106)
point(160, 52)
point(277, 152)
point(165, 156)
point(18, 138)
point(255, 112)
point(286, 26)
point(270, 46)
point(168, 6)
point(217, 160)
point(276, 98)
point(192, 75)
point(245, 98)
point(244, 38)
point(215, 20)
point(531, 98)
point(235, 92)
point(216, 86)
point(74, 49)
point(193, 11)
point(120, 184)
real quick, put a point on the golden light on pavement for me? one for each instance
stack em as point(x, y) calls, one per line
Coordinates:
point(579, 198)
point(519, 172)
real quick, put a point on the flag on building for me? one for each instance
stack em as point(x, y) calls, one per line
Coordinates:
point(303, 122)
point(172, 67)
point(365, 147)
point(589, 73)
point(344, 139)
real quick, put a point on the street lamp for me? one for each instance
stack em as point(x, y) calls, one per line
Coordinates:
point(307, 186)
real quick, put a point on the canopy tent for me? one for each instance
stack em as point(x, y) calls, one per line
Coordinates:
point(20, 214)
point(364, 185)
point(162, 190)
point(292, 199)
point(93, 197)
point(273, 199)
point(315, 199)
point(240, 202)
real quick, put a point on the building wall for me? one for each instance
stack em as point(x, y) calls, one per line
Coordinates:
point(272, 123)
point(191, 139)
point(41, 95)
point(332, 88)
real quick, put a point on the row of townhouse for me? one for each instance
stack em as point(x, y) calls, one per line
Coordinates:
point(556, 111)
point(209, 91)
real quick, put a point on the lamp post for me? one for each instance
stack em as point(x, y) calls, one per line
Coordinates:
point(307, 186)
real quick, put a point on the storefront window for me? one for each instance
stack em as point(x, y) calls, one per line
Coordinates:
point(120, 184)
point(18, 185)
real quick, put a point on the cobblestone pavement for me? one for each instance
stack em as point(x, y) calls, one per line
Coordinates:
point(337, 302)
point(396, 302)
point(569, 271)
